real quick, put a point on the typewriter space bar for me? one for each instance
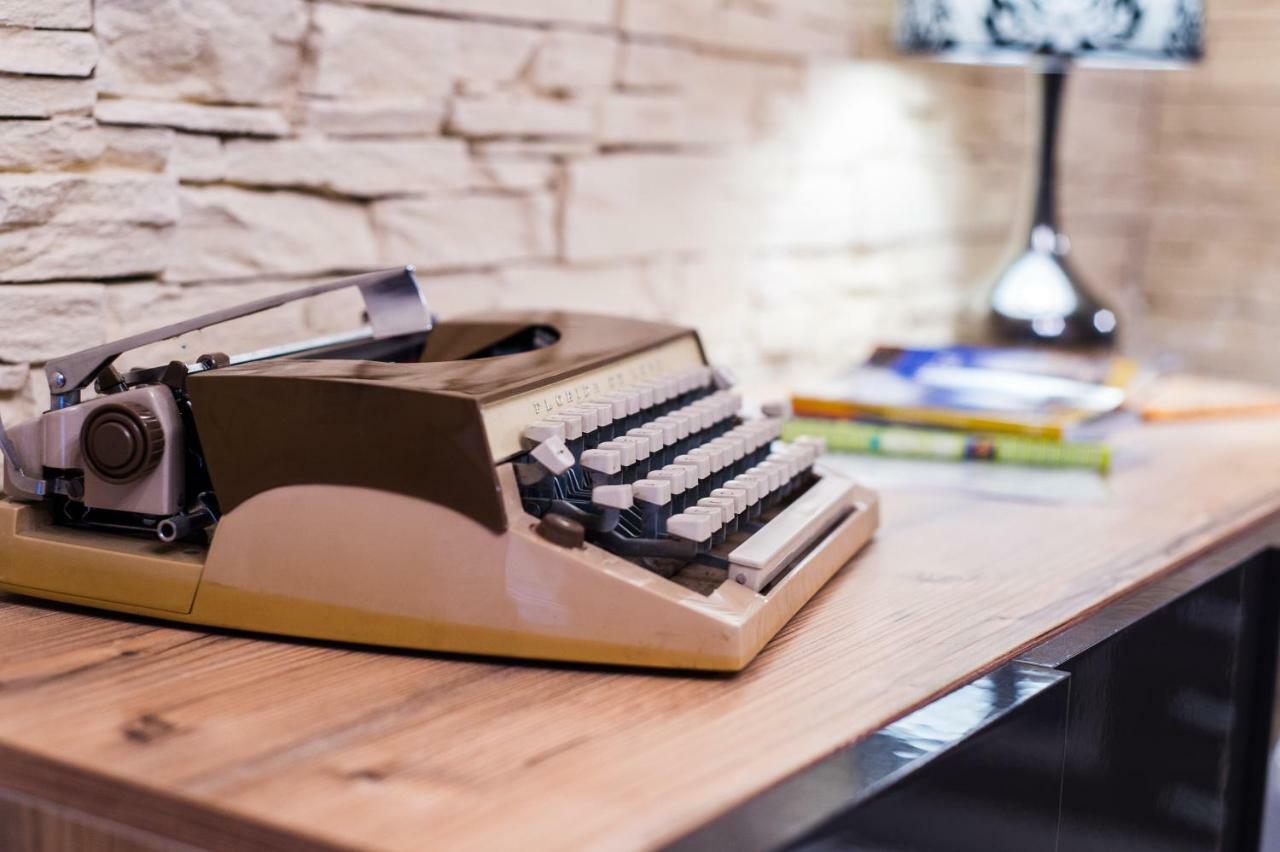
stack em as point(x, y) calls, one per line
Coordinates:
point(756, 561)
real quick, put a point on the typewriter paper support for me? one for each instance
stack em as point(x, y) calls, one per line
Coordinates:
point(392, 298)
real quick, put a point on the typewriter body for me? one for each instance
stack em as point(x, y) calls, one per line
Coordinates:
point(555, 486)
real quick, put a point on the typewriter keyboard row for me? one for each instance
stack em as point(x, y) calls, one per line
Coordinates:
point(667, 471)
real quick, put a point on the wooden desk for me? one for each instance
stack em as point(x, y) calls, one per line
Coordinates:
point(134, 730)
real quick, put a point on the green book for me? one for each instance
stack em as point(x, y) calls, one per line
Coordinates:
point(843, 436)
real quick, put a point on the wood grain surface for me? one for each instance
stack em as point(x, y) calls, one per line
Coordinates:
point(230, 741)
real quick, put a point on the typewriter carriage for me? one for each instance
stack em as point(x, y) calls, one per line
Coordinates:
point(129, 459)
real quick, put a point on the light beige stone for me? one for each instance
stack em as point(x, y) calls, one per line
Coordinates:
point(142, 148)
point(49, 145)
point(26, 402)
point(44, 97)
point(375, 117)
point(359, 168)
point(198, 159)
point(47, 14)
point(599, 12)
point(100, 224)
point(13, 377)
point(674, 119)
point(606, 289)
point(102, 196)
point(383, 54)
point(745, 28)
point(43, 321)
point(55, 53)
point(645, 65)
point(471, 231)
point(92, 249)
point(534, 148)
point(514, 174)
point(197, 118)
point(776, 295)
point(455, 295)
point(227, 51)
point(237, 233)
point(520, 115)
point(636, 205)
point(574, 62)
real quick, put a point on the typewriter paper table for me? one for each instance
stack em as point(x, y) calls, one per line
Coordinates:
point(127, 734)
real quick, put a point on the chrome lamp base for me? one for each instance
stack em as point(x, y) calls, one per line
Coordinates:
point(1039, 298)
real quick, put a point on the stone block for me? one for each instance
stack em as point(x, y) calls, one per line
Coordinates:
point(94, 249)
point(575, 61)
point(104, 196)
point(637, 205)
point(198, 159)
point(225, 51)
point(513, 174)
point(470, 231)
point(743, 28)
point(376, 117)
point(597, 12)
point(359, 168)
point(22, 404)
point(624, 290)
point(196, 118)
point(47, 14)
point(227, 232)
point(454, 295)
point(142, 148)
point(645, 65)
point(44, 97)
point(674, 119)
point(534, 148)
point(520, 115)
point(61, 143)
point(43, 321)
point(383, 54)
point(54, 53)
point(13, 377)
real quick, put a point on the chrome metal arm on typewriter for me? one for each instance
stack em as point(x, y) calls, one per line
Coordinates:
point(392, 299)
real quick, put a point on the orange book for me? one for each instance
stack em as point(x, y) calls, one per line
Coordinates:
point(1182, 396)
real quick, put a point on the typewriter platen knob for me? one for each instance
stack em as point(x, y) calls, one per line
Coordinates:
point(122, 442)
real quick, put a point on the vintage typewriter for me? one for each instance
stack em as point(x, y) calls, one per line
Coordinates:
point(557, 486)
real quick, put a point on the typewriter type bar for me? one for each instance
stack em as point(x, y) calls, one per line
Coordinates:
point(540, 485)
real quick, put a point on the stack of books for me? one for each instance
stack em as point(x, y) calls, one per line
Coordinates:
point(1020, 406)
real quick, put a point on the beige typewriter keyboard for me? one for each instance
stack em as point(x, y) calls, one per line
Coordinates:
point(666, 471)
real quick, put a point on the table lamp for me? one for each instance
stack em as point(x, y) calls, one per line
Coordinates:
point(1038, 296)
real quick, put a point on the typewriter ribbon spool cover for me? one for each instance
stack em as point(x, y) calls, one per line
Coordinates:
point(542, 485)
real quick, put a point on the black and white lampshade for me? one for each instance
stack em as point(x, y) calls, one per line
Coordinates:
point(1097, 32)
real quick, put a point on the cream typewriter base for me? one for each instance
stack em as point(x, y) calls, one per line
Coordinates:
point(367, 566)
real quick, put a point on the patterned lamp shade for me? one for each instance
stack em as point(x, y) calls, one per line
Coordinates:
point(1099, 32)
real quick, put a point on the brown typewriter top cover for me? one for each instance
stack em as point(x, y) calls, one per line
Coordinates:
point(413, 428)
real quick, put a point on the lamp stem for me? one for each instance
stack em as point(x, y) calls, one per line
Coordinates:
point(1053, 82)
point(1038, 296)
